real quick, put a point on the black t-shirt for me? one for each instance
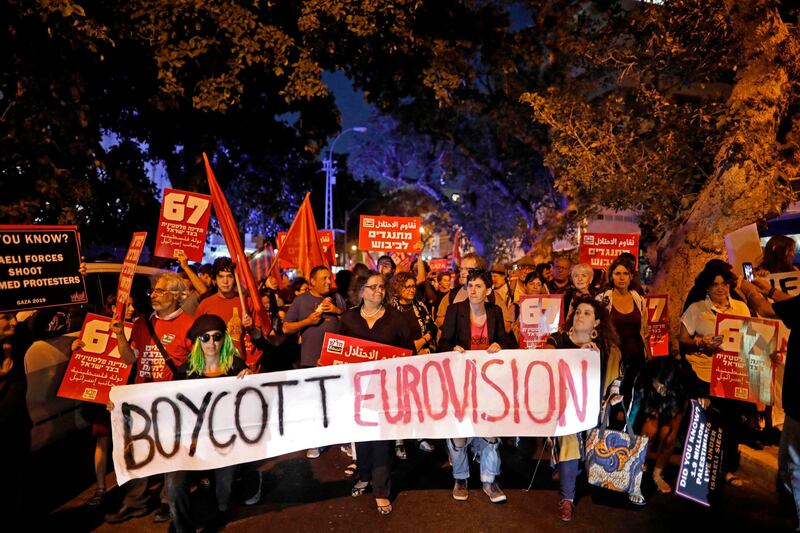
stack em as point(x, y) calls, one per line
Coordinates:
point(237, 366)
point(389, 329)
point(561, 341)
point(789, 312)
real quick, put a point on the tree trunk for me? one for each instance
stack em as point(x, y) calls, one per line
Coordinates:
point(749, 182)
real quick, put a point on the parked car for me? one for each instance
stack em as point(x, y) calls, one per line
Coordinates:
point(46, 360)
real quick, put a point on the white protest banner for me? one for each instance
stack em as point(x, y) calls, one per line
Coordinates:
point(209, 423)
point(539, 317)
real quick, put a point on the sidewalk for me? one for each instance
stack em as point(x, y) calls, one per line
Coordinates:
point(759, 467)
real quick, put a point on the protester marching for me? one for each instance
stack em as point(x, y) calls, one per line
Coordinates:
point(308, 356)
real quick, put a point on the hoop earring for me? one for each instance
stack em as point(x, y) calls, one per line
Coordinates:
point(593, 334)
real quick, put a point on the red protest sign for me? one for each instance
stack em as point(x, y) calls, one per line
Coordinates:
point(389, 234)
point(439, 265)
point(742, 369)
point(600, 249)
point(96, 367)
point(326, 239)
point(338, 350)
point(539, 316)
point(127, 271)
point(658, 323)
point(183, 224)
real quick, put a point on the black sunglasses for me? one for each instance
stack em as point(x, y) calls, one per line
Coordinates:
point(205, 337)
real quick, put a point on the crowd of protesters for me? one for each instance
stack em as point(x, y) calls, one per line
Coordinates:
point(192, 324)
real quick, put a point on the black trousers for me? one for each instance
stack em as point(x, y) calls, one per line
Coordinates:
point(374, 461)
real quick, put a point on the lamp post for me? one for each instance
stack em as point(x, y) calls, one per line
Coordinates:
point(329, 167)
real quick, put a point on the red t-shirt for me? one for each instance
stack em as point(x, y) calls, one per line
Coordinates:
point(150, 365)
point(223, 308)
point(478, 336)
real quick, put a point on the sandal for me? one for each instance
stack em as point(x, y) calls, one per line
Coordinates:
point(359, 489)
point(350, 470)
point(97, 499)
point(662, 486)
point(400, 452)
point(733, 480)
point(384, 509)
point(636, 499)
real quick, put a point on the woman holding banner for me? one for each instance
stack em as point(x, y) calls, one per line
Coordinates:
point(375, 321)
point(587, 327)
point(213, 355)
point(699, 340)
point(475, 324)
point(423, 331)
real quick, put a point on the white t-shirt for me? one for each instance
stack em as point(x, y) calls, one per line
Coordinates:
point(700, 318)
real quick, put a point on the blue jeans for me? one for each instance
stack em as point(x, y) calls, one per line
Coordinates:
point(489, 458)
point(789, 459)
point(567, 476)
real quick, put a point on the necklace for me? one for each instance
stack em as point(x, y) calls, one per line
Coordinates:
point(365, 315)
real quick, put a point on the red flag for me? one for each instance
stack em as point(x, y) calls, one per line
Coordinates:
point(231, 235)
point(302, 236)
point(456, 249)
point(261, 262)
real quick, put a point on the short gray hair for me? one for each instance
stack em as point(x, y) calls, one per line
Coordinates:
point(175, 285)
point(582, 266)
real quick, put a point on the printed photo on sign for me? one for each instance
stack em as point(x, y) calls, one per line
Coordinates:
point(742, 369)
point(540, 315)
point(40, 267)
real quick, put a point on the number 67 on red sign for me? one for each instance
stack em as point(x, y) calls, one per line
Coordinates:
point(183, 224)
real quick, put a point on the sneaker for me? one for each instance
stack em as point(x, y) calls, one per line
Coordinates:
point(426, 446)
point(400, 452)
point(162, 514)
point(460, 491)
point(124, 514)
point(312, 453)
point(97, 499)
point(255, 498)
point(565, 510)
point(494, 493)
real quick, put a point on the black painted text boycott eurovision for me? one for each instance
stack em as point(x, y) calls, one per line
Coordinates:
point(404, 398)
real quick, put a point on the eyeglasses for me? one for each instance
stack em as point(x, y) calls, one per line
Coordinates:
point(158, 292)
point(205, 337)
point(410, 286)
point(376, 287)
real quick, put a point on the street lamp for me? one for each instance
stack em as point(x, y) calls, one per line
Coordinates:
point(329, 167)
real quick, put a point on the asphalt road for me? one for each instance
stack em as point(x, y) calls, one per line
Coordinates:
point(314, 495)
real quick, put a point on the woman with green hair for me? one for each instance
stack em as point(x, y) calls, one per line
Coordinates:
point(213, 355)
